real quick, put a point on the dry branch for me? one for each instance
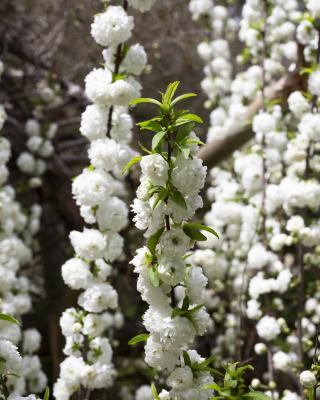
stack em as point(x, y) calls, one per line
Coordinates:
point(218, 150)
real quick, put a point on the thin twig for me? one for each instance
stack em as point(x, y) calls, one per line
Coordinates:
point(270, 370)
point(300, 303)
point(118, 60)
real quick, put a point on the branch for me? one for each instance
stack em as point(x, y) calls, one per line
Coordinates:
point(218, 150)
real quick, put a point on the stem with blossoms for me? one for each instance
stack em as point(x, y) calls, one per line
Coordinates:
point(18, 229)
point(167, 197)
point(272, 271)
point(98, 191)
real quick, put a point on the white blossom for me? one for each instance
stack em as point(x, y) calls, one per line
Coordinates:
point(94, 122)
point(308, 379)
point(112, 27)
point(90, 243)
point(12, 359)
point(268, 328)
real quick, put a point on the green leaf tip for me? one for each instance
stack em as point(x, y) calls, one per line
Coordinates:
point(9, 318)
point(142, 337)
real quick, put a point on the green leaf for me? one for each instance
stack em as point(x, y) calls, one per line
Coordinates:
point(244, 368)
point(245, 55)
point(204, 363)
point(171, 89)
point(185, 312)
point(46, 394)
point(125, 49)
point(118, 77)
point(193, 234)
point(153, 276)
point(187, 359)
point(178, 198)
point(161, 196)
point(145, 100)
point(213, 371)
point(193, 117)
point(142, 337)
point(188, 118)
point(144, 148)
point(153, 241)
point(195, 309)
point(198, 226)
point(255, 396)
point(212, 386)
point(311, 394)
point(157, 138)
point(176, 312)
point(8, 318)
point(185, 303)
point(132, 162)
point(231, 383)
point(153, 190)
point(183, 97)
point(258, 25)
point(13, 374)
point(150, 125)
point(154, 392)
point(305, 71)
point(194, 141)
point(184, 132)
point(204, 366)
point(186, 152)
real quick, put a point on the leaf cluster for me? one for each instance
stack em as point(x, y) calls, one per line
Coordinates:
point(185, 311)
point(172, 137)
point(233, 387)
point(169, 124)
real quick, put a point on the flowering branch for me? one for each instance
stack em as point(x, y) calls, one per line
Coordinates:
point(167, 197)
point(98, 191)
point(18, 230)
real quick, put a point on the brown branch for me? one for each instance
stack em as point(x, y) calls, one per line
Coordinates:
point(218, 150)
point(118, 60)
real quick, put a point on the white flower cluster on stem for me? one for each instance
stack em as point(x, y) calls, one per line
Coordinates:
point(39, 148)
point(266, 198)
point(98, 191)
point(227, 210)
point(17, 231)
point(215, 50)
point(167, 198)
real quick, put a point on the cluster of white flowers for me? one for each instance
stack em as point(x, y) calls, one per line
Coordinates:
point(107, 124)
point(17, 231)
point(172, 287)
point(266, 198)
point(229, 92)
point(200, 8)
point(29, 367)
point(39, 147)
point(215, 53)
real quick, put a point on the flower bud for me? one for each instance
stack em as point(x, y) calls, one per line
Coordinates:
point(308, 379)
